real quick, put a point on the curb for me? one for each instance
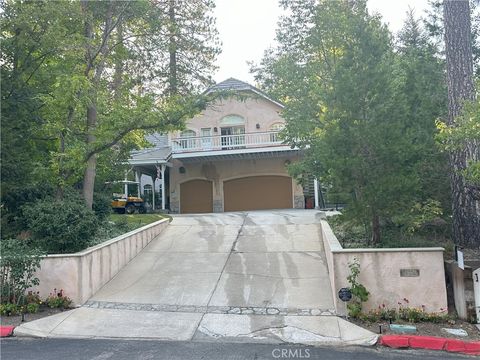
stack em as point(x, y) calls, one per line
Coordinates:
point(431, 343)
point(6, 331)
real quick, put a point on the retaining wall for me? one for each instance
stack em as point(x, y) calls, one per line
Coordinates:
point(82, 274)
point(389, 274)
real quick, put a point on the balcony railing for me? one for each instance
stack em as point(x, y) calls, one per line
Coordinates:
point(225, 142)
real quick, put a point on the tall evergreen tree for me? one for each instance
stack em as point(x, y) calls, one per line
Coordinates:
point(458, 50)
point(352, 104)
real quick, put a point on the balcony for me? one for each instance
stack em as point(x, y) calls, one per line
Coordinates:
point(225, 142)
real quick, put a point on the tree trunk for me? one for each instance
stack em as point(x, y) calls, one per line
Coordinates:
point(458, 49)
point(172, 49)
point(91, 161)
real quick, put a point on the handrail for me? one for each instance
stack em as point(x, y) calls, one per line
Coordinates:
point(221, 142)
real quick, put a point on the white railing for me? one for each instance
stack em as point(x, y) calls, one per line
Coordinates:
point(225, 142)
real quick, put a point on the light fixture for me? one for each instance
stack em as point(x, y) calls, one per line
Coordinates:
point(181, 170)
point(257, 126)
point(215, 129)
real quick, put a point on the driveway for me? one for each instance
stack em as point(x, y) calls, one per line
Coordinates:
point(252, 276)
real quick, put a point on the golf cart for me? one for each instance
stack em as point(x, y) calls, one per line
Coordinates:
point(127, 203)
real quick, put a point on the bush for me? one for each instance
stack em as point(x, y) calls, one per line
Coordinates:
point(32, 308)
point(61, 226)
point(9, 309)
point(58, 300)
point(13, 221)
point(18, 265)
point(102, 205)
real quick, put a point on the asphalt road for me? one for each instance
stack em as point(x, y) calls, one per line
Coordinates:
point(103, 349)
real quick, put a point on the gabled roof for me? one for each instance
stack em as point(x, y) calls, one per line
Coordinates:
point(233, 84)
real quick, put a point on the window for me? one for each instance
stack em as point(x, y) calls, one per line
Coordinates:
point(206, 134)
point(232, 131)
point(185, 142)
point(276, 128)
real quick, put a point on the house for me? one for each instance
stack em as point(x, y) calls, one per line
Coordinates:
point(229, 158)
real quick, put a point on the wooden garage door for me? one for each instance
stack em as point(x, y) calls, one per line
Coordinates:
point(257, 193)
point(196, 196)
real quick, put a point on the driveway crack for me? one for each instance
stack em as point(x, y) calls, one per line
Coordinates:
point(232, 249)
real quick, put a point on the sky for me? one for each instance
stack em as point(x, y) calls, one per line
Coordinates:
point(247, 29)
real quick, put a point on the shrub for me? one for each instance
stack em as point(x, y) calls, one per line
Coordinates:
point(102, 205)
point(32, 308)
point(9, 309)
point(58, 300)
point(61, 226)
point(359, 292)
point(18, 264)
point(13, 221)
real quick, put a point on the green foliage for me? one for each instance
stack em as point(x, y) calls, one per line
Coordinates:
point(58, 300)
point(404, 313)
point(9, 309)
point(465, 131)
point(359, 292)
point(13, 221)
point(102, 205)
point(362, 109)
point(52, 71)
point(18, 264)
point(61, 226)
point(32, 308)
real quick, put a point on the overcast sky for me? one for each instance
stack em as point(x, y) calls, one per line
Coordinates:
point(247, 28)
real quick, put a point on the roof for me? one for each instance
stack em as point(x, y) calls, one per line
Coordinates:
point(157, 154)
point(233, 84)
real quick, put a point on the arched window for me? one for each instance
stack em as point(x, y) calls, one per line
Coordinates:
point(275, 129)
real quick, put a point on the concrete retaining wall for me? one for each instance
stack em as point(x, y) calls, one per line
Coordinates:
point(390, 275)
point(82, 274)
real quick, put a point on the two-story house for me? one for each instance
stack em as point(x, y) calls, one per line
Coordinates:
point(229, 158)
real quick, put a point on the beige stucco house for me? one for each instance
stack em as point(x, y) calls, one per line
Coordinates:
point(229, 158)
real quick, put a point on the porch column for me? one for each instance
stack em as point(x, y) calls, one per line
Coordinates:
point(162, 169)
point(153, 192)
point(137, 179)
point(125, 186)
point(315, 189)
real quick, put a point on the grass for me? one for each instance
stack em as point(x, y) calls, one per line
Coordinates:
point(135, 221)
point(118, 224)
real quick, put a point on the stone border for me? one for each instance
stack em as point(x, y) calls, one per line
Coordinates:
point(381, 274)
point(235, 310)
point(82, 274)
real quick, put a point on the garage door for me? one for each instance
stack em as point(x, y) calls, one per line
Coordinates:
point(257, 193)
point(196, 196)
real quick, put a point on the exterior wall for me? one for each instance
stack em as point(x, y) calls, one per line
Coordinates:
point(462, 285)
point(82, 274)
point(220, 171)
point(254, 111)
point(380, 274)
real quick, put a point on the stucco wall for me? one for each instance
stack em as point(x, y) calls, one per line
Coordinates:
point(380, 274)
point(254, 111)
point(82, 274)
point(220, 171)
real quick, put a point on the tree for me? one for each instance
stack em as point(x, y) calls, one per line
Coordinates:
point(458, 51)
point(353, 105)
point(103, 62)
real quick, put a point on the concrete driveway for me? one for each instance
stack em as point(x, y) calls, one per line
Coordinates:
point(255, 276)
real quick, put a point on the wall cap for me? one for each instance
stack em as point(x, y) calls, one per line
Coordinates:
point(106, 243)
point(387, 250)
